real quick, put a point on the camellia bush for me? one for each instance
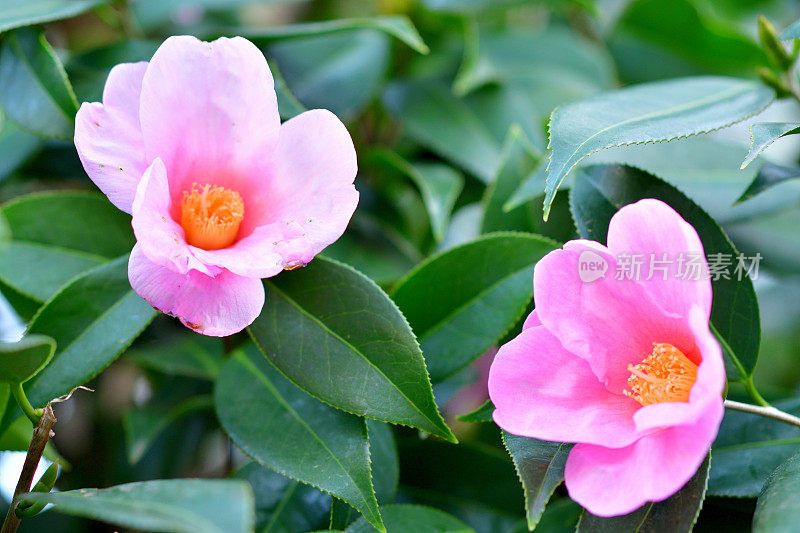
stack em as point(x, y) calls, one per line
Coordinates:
point(401, 266)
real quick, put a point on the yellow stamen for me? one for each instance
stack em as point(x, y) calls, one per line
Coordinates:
point(210, 216)
point(666, 375)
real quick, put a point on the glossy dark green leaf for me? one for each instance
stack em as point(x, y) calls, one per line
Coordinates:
point(764, 134)
point(81, 221)
point(93, 320)
point(18, 14)
point(413, 519)
point(187, 354)
point(778, 505)
point(39, 271)
point(143, 426)
point(540, 467)
point(57, 235)
point(176, 505)
point(339, 71)
point(20, 361)
point(519, 161)
point(34, 90)
point(287, 430)
point(481, 289)
point(651, 112)
point(284, 505)
point(748, 448)
point(768, 176)
point(399, 27)
point(288, 105)
point(479, 415)
point(600, 191)
point(676, 514)
point(337, 335)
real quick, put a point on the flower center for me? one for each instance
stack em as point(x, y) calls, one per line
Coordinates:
point(210, 216)
point(666, 375)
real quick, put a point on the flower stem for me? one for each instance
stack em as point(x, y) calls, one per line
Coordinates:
point(41, 434)
point(25, 405)
point(747, 379)
point(769, 412)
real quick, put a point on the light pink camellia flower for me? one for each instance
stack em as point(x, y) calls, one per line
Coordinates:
point(626, 368)
point(222, 194)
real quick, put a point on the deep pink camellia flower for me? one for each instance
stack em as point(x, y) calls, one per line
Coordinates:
point(222, 194)
point(623, 365)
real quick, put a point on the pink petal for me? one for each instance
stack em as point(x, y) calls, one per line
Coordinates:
point(162, 239)
point(608, 322)
point(209, 111)
point(650, 227)
point(255, 256)
point(216, 306)
point(309, 198)
point(542, 391)
point(108, 136)
point(532, 321)
point(617, 481)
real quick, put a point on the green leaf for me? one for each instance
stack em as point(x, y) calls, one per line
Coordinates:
point(600, 191)
point(481, 414)
point(283, 428)
point(413, 519)
point(93, 319)
point(176, 505)
point(338, 71)
point(651, 112)
point(38, 271)
point(16, 145)
point(383, 453)
point(519, 161)
point(764, 134)
point(89, 70)
point(20, 361)
point(778, 505)
point(676, 514)
point(335, 334)
point(768, 176)
point(284, 505)
point(792, 32)
point(56, 236)
point(438, 184)
point(481, 289)
point(143, 426)
point(547, 68)
point(688, 32)
point(34, 89)
point(774, 236)
point(288, 105)
point(540, 467)
point(186, 354)
point(81, 221)
point(434, 117)
point(748, 448)
point(397, 26)
point(18, 14)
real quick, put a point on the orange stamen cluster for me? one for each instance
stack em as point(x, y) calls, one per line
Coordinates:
point(666, 375)
point(210, 216)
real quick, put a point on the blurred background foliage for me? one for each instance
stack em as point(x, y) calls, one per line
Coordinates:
point(448, 103)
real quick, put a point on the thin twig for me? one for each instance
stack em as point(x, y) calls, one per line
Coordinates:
point(41, 434)
point(769, 412)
